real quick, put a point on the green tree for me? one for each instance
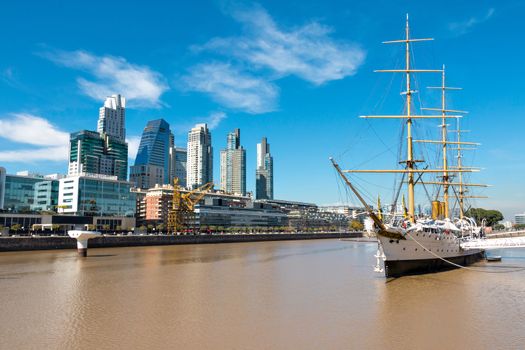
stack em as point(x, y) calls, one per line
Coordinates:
point(519, 226)
point(161, 227)
point(491, 216)
point(356, 225)
point(16, 227)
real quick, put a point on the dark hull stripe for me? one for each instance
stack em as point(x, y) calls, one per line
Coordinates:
point(413, 267)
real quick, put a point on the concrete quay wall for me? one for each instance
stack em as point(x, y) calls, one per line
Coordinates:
point(43, 243)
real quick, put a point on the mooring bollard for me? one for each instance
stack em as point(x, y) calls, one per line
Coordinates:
point(82, 239)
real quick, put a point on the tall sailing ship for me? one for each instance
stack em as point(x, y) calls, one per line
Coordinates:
point(410, 243)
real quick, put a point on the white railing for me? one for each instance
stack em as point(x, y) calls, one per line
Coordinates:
point(494, 243)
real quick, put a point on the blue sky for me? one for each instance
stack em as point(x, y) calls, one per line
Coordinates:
point(298, 72)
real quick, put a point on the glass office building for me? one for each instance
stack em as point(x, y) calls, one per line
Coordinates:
point(96, 195)
point(94, 153)
point(45, 196)
point(154, 154)
point(21, 194)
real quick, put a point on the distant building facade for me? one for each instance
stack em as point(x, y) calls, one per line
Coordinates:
point(96, 195)
point(112, 118)
point(26, 192)
point(519, 219)
point(45, 196)
point(146, 176)
point(264, 171)
point(95, 153)
point(154, 154)
point(233, 165)
point(200, 157)
point(158, 203)
point(179, 168)
point(2, 187)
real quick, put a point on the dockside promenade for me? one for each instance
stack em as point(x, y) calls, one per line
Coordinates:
point(109, 241)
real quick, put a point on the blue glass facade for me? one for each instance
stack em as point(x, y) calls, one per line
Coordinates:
point(20, 195)
point(154, 148)
point(108, 198)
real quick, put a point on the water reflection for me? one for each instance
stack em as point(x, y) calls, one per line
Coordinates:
point(267, 295)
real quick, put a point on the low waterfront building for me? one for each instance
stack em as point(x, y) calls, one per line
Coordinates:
point(26, 192)
point(60, 224)
point(519, 219)
point(217, 216)
point(158, 203)
point(304, 216)
point(96, 195)
point(154, 206)
point(350, 212)
point(46, 194)
point(140, 205)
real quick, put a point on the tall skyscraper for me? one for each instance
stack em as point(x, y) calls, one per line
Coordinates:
point(91, 152)
point(112, 118)
point(153, 162)
point(179, 168)
point(2, 187)
point(200, 157)
point(233, 165)
point(104, 151)
point(264, 172)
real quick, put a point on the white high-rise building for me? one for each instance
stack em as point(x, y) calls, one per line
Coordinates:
point(233, 165)
point(199, 168)
point(112, 118)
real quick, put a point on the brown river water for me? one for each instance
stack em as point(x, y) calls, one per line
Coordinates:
point(268, 295)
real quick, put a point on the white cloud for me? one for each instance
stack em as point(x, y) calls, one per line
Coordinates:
point(306, 51)
point(233, 88)
point(215, 118)
point(33, 130)
point(133, 146)
point(58, 153)
point(465, 26)
point(142, 86)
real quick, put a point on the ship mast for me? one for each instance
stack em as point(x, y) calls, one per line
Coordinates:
point(462, 186)
point(446, 177)
point(460, 177)
point(444, 140)
point(410, 162)
point(410, 153)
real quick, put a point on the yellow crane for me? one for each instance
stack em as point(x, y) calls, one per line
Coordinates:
point(182, 212)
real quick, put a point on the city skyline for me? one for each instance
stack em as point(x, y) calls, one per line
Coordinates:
point(52, 84)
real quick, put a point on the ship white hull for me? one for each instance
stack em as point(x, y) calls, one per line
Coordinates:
point(406, 257)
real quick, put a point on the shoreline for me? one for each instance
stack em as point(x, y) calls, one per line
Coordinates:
point(12, 244)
